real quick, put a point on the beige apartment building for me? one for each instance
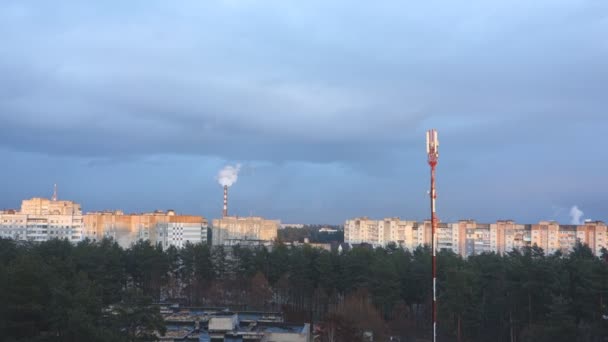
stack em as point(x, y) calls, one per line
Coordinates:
point(468, 237)
point(545, 235)
point(41, 219)
point(403, 233)
point(506, 235)
point(593, 234)
point(232, 230)
point(156, 226)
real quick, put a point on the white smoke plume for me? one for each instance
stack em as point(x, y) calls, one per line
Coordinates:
point(575, 215)
point(228, 175)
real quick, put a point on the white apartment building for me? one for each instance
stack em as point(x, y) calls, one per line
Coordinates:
point(179, 233)
point(42, 219)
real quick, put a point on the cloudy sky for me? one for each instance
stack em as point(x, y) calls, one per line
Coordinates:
point(137, 105)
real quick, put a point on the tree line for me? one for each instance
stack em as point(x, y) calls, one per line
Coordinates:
point(56, 291)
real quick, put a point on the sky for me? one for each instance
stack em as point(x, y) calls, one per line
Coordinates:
point(137, 105)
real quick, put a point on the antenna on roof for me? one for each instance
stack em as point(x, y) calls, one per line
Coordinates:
point(54, 198)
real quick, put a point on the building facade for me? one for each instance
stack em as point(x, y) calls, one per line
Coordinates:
point(128, 228)
point(180, 230)
point(468, 237)
point(232, 230)
point(41, 219)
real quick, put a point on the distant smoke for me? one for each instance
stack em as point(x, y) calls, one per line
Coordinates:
point(575, 215)
point(228, 175)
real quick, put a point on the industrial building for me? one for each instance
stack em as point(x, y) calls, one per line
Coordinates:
point(221, 324)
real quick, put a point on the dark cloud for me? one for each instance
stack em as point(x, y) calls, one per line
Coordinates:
point(512, 86)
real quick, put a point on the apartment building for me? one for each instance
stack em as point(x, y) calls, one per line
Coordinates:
point(593, 234)
point(545, 235)
point(180, 230)
point(360, 230)
point(232, 230)
point(468, 237)
point(41, 219)
point(478, 239)
point(506, 235)
point(128, 228)
point(403, 233)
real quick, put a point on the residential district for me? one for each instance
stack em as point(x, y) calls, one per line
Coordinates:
point(40, 219)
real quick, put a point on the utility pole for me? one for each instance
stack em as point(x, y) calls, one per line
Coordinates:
point(432, 150)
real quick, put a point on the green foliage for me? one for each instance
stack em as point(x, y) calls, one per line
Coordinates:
point(56, 291)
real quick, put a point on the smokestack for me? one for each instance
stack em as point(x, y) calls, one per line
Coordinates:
point(225, 211)
point(226, 177)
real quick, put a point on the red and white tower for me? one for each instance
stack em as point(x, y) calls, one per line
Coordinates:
point(432, 150)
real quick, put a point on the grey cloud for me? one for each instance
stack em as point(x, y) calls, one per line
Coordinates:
point(298, 81)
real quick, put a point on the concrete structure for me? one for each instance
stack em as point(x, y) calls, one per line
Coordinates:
point(180, 230)
point(545, 235)
point(128, 228)
point(506, 235)
point(468, 237)
point(362, 229)
point(41, 219)
point(593, 234)
point(233, 230)
point(218, 324)
point(44, 207)
point(567, 238)
point(477, 238)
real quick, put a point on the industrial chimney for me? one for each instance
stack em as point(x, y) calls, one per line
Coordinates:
point(225, 211)
point(226, 177)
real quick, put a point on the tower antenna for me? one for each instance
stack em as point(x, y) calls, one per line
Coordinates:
point(432, 150)
point(54, 198)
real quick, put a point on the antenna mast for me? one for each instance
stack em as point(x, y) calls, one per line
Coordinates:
point(432, 150)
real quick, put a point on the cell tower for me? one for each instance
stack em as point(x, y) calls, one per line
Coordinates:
point(432, 150)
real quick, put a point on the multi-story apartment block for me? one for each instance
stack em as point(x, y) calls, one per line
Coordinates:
point(567, 238)
point(403, 233)
point(445, 239)
point(546, 236)
point(360, 230)
point(468, 237)
point(506, 235)
point(594, 234)
point(231, 230)
point(178, 232)
point(477, 238)
point(41, 219)
point(128, 228)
